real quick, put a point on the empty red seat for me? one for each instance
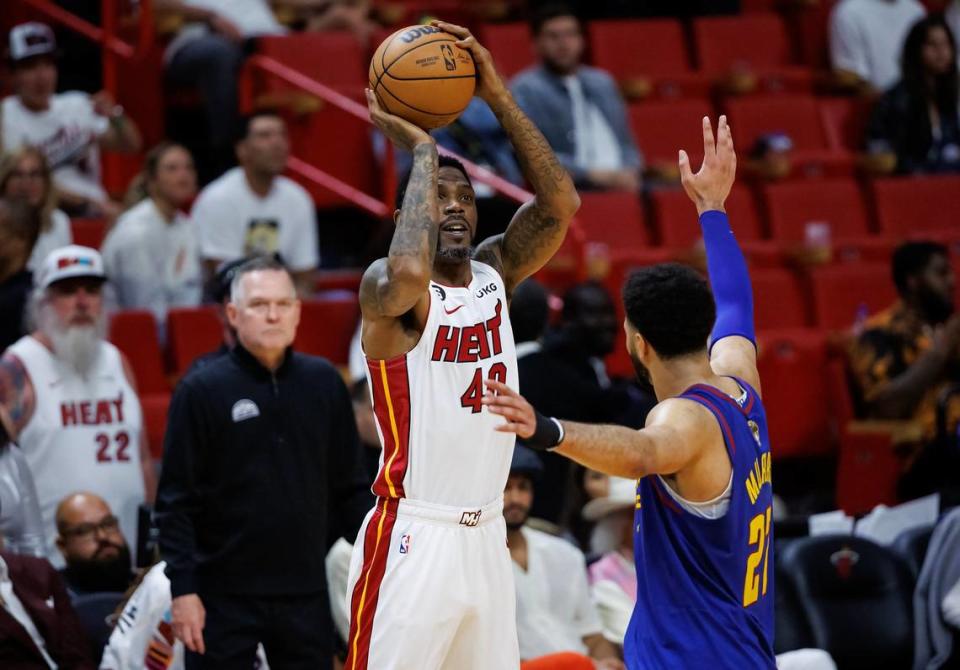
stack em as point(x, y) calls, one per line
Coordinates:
point(755, 42)
point(88, 232)
point(338, 280)
point(134, 332)
point(327, 327)
point(333, 58)
point(779, 300)
point(791, 365)
point(844, 122)
point(913, 205)
point(793, 206)
point(646, 57)
point(192, 332)
point(511, 45)
point(155, 407)
point(614, 218)
point(662, 128)
point(675, 217)
point(844, 294)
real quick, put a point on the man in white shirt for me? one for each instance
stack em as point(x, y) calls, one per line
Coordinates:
point(867, 36)
point(554, 611)
point(70, 128)
point(254, 209)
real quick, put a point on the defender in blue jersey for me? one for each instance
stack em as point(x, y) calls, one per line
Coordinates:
point(703, 530)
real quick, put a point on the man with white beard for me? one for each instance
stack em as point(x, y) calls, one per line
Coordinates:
point(71, 397)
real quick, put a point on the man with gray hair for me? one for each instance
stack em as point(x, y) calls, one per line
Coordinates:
point(262, 472)
point(71, 397)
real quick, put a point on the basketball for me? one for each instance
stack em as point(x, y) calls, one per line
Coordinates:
point(421, 75)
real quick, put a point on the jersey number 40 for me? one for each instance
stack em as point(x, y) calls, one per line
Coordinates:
point(472, 398)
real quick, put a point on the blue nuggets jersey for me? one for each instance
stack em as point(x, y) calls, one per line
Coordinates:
point(705, 587)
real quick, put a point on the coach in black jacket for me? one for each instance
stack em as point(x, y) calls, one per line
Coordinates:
point(262, 470)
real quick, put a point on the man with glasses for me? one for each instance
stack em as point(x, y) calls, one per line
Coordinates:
point(71, 398)
point(95, 551)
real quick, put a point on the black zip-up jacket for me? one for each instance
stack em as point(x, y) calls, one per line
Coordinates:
point(261, 472)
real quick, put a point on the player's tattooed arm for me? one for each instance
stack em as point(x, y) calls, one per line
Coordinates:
point(392, 287)
point(16, 393)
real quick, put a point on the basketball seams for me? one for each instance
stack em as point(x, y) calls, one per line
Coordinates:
point(416, 109)
point(386, 66)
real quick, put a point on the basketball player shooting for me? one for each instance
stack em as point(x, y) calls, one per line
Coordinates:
point(431, 583)
point(702, 522)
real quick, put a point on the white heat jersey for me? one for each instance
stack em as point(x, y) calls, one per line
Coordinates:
point(439, 442)
point(84, 435)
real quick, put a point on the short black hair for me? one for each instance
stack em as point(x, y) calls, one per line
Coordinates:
point(672, 307)
point(443, 161)
point(529, 311)
point(911, 259)
point(549, 13)
point(246, 121)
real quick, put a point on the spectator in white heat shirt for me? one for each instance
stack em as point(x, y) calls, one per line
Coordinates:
point(152, 254)
point(70, 128)
point(866, 39)
point(254, 209)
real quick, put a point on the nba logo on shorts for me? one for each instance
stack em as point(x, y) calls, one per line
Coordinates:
point(404, 544)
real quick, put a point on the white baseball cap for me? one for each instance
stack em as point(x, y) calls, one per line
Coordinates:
point(31, 39)
point(623, 495)
point(67, 263)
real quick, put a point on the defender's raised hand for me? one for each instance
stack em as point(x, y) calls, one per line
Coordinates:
point(489, 83)
point(710, 187)
point(401, 132)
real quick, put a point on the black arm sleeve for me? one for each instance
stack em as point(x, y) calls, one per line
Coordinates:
point(177, 497)
point(350, 496)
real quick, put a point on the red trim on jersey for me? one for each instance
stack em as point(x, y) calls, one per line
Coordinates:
point(721, 419)
point(391, 406)
point(665, 498)
point(377, 541)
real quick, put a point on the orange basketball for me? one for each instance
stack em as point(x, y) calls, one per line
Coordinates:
point(420, 74)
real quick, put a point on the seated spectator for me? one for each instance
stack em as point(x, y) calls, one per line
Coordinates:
point(613, 578)
point(478, 136)
point(866, 39)
point(84, 430)
point(19, 227)
point(352, 16)
point(96, 553)
point(582, 486)
point(554, 612)
point(152, 253)
point(578, 108)
point(909, 353)
point(254, 209)
point(38, 626)
point(21, 527)
point(919, 118)
point(25, 175)
point(69, 128)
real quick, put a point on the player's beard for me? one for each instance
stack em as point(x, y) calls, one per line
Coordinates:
point(642, 373)
point(452, 255)
point(76, 345)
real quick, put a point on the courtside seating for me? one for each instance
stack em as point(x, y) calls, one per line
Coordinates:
point(614, 218)
point(191, 332)
point(778, 299)
point(511, 46)
point(836, 202)
point(911, 206)
point(134, 332)
point(844, 293)
point(675, 217)
point(88, 232)
point(791, 364)
point(661, 128)
point(648, 58)
point(326, 327)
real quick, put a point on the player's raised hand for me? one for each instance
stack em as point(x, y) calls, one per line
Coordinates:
point(503, 400)
point(710, 187)
point(401, 132)
point(489, 83)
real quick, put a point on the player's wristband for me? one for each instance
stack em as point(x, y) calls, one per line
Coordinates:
point(548, 434)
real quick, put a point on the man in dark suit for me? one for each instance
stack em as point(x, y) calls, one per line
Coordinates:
point(38, 627)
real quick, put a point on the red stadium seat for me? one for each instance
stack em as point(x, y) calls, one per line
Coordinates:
point(791, 365)
point(646, 57)
point(810, 25)
point(327, 327)
point(844, 122)
point(155, 407)
point(511, 45)
point(846, 293)
point(675, 218)
point(755, 42)
point(338, 280)
point(192, 332)
point(614, 218)
point(791, 206)
point(333, 58)
point(779, 300)
point(88, 232)
point(915, 205)
point(663, 128)
point(134, 332)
